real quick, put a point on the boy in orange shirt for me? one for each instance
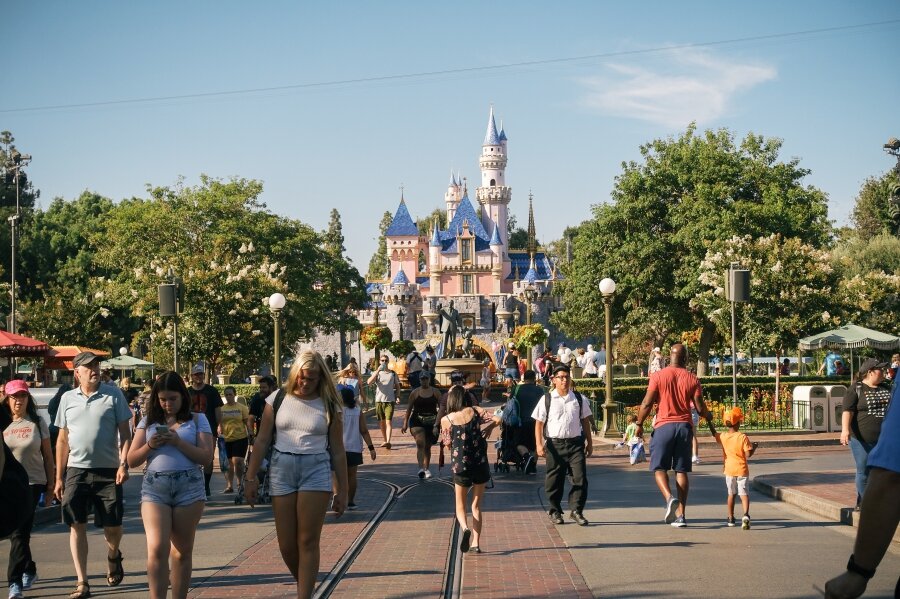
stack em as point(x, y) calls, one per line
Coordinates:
point(737, 449)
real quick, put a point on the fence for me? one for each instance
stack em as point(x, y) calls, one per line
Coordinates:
point(759, 414)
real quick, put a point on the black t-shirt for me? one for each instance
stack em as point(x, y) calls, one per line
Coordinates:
point(528, 396)
point(205, 401)
point(257, 406)
point(868, 405)
point(510, 361)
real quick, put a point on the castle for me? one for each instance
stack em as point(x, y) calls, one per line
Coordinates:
point(493, 287)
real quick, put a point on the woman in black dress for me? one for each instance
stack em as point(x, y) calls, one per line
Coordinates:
point(421, 414)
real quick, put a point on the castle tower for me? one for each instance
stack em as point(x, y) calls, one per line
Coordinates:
point(453, 195)
point(493, 194)
point(434, 261)
point(402, 238)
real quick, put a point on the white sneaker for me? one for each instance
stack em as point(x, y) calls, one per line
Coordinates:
point(695, 459)
point(428, 474)
point(421, 473)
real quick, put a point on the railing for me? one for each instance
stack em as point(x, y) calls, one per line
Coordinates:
point(789, 415)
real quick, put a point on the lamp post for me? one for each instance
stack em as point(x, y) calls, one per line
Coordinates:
point(353, 338)
point(376, 294)
point(276, 305)
point(610, 429)
point(123, 351)
point(400, 316)
point(19, 160)
point(530, 295)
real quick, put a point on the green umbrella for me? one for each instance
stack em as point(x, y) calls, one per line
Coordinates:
point(851, 337)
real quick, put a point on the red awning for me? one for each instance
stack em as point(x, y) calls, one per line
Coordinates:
point(12, 345)
point(60, 357)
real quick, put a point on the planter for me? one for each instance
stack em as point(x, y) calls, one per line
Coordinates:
point(223, 378)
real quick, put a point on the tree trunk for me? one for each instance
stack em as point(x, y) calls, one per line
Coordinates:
point(706, 339)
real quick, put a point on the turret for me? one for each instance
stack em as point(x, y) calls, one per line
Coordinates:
point(493, 194)
point(434, 260)
point(452, 196)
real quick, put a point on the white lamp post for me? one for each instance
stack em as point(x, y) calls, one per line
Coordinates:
point(276, 305)
point(123, 351)
point(610, 429)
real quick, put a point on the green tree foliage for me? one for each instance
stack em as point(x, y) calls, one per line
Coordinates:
point(426, 224)
point(871, 213)
point(378, 264)
point(27, 195)
point(685, 194)
point(334, 234)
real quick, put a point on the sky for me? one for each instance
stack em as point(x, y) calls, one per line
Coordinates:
point(340, 104)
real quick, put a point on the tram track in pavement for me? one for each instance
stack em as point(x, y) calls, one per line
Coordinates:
point(451, 584)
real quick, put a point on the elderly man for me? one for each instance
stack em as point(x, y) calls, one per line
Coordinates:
point(94, 437)
point(562, 434)
point(670, 446)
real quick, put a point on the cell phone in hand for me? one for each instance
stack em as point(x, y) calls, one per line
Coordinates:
point(161, 429)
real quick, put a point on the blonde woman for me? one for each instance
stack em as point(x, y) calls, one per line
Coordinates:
point(349, 377)
point(308, 436)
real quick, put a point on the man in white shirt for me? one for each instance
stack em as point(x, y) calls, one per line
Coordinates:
point(387, 392)
point(562, 432)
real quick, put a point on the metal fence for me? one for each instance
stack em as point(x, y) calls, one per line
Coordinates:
point(787, 415)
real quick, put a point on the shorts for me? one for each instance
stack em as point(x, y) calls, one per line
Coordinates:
point(511, 373)
point(670, 447)
point(354, 458)
point(236, 449)
point(176, 488)
point(479, 475)
point(295, 472)
point(695, 418)
point(428, 431)
point(736, 485)
point(384, 410)
point(95, 487)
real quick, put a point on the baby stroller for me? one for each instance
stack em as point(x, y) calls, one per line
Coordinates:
point(263, 496)
point(507, 452)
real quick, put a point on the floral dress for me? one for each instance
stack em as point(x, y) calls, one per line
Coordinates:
point(468, 446)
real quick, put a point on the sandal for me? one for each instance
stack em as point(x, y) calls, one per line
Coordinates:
point(116, 572)
point(82, 590)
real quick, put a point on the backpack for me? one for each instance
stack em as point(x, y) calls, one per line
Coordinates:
point(510, 415)
point(547, 409)
point(413, 356)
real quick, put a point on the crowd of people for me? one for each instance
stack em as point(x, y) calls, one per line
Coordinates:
point(309, 436)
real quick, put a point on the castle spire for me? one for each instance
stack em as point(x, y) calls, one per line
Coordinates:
point(491, 138)
point(532, 238)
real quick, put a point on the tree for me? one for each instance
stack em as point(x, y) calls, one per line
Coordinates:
point(378, 264)
point(426, 224)
point(687, 193)
point(871, 212)
point(334, 235)
point(792, 284)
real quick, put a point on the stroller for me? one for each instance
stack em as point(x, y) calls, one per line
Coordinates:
point(263, 496)
point(507, 452)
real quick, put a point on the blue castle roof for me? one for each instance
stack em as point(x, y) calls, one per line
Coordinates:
point(403, 224)
point(495, 236)
point(521, 261)
point(435, 236)
point(492, 138)
point(465, 212)
point(400, 278)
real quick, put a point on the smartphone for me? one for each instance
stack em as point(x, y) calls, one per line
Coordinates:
point(161, 429)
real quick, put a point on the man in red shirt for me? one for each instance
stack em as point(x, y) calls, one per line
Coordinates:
point(670, 445)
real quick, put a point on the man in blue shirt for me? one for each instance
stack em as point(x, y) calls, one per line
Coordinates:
point(94, 438)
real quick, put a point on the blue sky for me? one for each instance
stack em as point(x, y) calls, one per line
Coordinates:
point(329, 130)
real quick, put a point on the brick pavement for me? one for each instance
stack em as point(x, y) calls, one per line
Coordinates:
point(524, 555)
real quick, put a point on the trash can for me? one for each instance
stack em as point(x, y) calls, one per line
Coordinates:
point(836, 395)
point(810, 408)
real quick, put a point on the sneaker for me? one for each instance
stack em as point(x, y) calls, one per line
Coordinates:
point(421, 473)
point(15, 591)
point(731, 521)
point(351, 506)
point(428, 474)
point(28, 580)
point(556, 518)
point(579, 518)
point(671, 506)
point(466, 539)
point(679, 522)
point(695, 459)
point(745, 523)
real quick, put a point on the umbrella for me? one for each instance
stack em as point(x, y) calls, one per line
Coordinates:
point(12, 345)
point(126, 363)
point(851, 337)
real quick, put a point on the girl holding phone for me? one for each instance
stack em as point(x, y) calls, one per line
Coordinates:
point(175, 444)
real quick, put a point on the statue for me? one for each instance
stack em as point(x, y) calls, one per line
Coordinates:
point(467, 342)
point(449, 324)
point(894, 209)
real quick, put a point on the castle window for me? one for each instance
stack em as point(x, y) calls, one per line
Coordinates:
point(493, 182)
point(467, 285)
point(466, 250)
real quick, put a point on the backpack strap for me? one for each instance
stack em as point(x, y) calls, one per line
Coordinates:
point(279, 399)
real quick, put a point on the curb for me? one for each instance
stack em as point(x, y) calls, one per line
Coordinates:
point(810, 503)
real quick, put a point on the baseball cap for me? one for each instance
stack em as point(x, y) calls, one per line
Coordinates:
point(870, 364)
point(16, 386)
point(733, 416)
point(561, 368)
point(85, 358)
point(198, 368)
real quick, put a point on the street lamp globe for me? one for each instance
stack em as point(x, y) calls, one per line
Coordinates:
point(607, 286)
point(277, 301)
point(123, 351)
point(376, 295)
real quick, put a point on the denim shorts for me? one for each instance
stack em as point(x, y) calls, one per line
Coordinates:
point(291, 473)
point(177, 488)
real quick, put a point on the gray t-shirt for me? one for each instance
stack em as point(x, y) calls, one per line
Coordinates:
point(93, 425)
point(384, 386)
point(167, 458)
